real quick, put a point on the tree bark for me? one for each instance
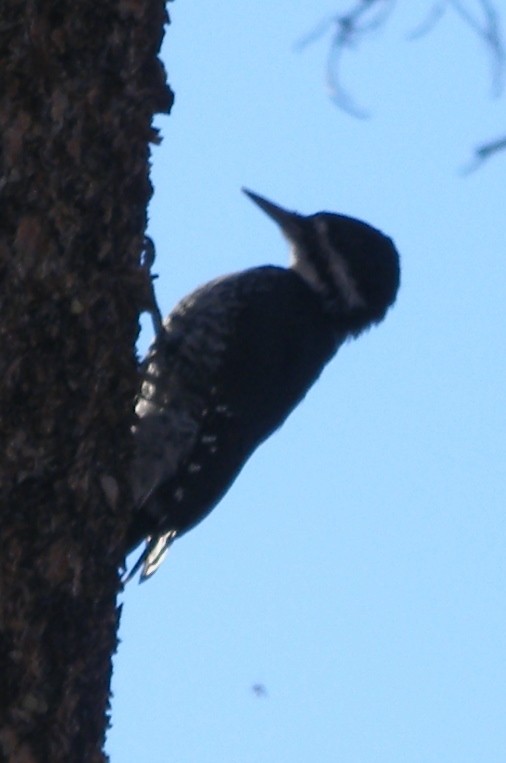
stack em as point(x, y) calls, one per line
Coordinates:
point(79, 83)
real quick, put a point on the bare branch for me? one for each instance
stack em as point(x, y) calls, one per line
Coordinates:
point(348, 30)
point(484, 152)
point(315, 34)
point(367, 16)
point(427, 25)
point(488, 29)
point(336, 90)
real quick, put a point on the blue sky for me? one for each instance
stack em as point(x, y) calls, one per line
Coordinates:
point(356, 568)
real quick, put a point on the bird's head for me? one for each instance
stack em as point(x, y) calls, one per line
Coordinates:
point(351, 265)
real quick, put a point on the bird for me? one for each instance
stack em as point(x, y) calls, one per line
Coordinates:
point(236, 356)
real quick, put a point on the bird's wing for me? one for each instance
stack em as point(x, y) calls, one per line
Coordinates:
point(178, 377)
point(236, 358)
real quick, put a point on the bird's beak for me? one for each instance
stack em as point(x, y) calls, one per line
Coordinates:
point(289, 222)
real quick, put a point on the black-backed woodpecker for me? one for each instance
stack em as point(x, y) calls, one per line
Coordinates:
point(236, 356)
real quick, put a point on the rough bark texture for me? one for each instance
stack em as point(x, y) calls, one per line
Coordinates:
point(79, 83)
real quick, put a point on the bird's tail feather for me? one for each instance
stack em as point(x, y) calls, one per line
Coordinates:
point(152, 556)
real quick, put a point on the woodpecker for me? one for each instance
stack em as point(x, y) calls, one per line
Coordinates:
point(236, 356)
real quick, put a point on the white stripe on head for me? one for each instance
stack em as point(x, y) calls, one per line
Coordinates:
point(342, 281)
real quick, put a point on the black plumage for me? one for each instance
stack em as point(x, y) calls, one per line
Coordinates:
point(236, 356)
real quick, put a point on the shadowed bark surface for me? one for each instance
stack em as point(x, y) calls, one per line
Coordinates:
point(79, 83)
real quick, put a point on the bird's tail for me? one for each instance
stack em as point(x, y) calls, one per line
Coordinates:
point(153, 555)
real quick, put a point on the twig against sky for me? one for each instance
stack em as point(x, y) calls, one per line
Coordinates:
point(367, 16)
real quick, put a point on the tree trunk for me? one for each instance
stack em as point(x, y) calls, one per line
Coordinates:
point(79, 83)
